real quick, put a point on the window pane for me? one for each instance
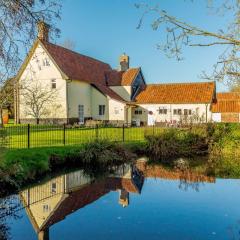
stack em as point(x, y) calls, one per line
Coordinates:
point(54, 84)
point(101, 110)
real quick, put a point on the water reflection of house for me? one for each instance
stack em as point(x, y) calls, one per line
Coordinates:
point(51, 202)
point(158, 171)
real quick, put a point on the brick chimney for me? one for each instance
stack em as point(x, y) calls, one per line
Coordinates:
point(123, 198)
point(43, 31)
point(124, 62)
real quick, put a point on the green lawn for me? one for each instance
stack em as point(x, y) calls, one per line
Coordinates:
point(46, 136)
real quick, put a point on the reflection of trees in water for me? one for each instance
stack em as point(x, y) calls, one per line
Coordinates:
point(185, 184)
point(191, 180)
point(8, 208)
point(187, 178)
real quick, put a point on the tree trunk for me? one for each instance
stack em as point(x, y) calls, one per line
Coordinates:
point(1, 117)
point(37, 120)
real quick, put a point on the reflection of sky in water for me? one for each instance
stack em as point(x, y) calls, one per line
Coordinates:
point(162, 211)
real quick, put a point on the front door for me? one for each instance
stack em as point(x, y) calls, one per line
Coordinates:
point(81, 114)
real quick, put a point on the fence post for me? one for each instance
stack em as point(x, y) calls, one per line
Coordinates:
point(64, 134)
point(123, 133)
point(153, 130)
point(28, 135)
point(97, 132)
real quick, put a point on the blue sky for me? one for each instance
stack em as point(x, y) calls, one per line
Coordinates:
point(104, 29)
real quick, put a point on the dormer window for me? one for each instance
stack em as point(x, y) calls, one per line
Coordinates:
point(46, 62)
point(54, 84)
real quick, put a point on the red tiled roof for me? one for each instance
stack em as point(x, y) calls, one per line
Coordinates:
point(228, 96)
point(80, 67)
point(224, 106)
point(177, 93)
point(77, 66)
point(88, 194)
point(129, 76)
point(121, 78)
point(227, 102)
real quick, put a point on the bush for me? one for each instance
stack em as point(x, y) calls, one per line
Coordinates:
point(174, 143)
point(224, 138)
point(100, 154)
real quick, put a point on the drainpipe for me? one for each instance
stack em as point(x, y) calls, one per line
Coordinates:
point(67, 102)
point(206, 112)
point(171, 113)
point(16, 102)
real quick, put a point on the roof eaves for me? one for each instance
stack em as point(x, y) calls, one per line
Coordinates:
point(27, 59)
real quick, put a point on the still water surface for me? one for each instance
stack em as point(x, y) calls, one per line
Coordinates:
point(135, 202)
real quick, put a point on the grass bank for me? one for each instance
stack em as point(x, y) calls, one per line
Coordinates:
point(18, 167)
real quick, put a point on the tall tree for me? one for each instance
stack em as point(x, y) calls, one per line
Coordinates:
point(18, 19)
point(180, 34)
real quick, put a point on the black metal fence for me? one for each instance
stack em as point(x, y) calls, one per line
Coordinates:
point(30, 136)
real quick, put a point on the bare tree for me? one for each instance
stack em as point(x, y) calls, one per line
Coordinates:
point(180, 34)
point(18, 19)
point(8, 209)
point(69, 44)
point(38, 101)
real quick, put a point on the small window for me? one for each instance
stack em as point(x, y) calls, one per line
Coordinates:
point(54, 188)
point(162, 111)
point(101, 110)
point(46, 62)
point(177, 111)
point(187, 112)
point(46, 208)
point(138, 112)
point(54, 83)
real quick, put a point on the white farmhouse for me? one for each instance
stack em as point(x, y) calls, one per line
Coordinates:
point(173, 103)
point(58, 85)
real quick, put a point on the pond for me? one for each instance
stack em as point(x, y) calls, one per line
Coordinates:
point(134, 202)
